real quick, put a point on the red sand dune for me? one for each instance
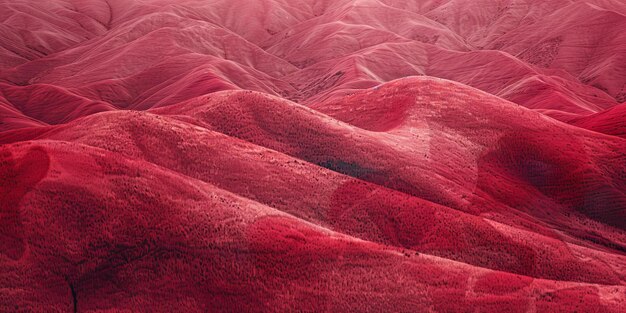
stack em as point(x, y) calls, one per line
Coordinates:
point(314, 156)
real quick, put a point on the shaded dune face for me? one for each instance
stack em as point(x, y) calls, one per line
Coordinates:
point(593, 191)
point(18, 178)
point(312, 156)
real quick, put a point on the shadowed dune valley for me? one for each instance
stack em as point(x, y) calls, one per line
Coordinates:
point(312, 156)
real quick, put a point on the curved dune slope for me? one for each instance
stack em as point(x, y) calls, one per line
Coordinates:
point(315, 156)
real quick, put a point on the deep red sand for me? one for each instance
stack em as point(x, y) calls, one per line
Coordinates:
point(312, 156)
